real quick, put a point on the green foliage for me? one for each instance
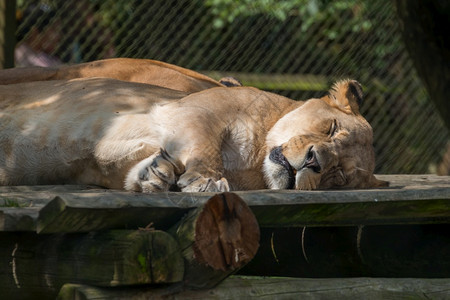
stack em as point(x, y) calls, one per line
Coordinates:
point(310, 11)
point(226, 11)
point(8, 202)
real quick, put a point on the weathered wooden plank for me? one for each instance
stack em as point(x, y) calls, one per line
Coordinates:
point(420, 251)
point(238, 287)
point(272, 208)
point(18, 219)
point(25, 196)
point(36, 266)
point(355, 213)
point(410, 199)
point(106, 210)
point(39, 195)
point(415, 180)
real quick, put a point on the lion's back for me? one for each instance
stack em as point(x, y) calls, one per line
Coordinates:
point(54, 127)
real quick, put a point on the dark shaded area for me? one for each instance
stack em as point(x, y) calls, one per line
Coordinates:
point(7, 33)
point(419, 251)
point(424, 25)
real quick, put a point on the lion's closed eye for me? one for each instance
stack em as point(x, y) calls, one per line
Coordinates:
point(326, 127)
point(333, 128)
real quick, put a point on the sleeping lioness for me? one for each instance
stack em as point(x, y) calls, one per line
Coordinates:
point(140, 137)
point(127, 69)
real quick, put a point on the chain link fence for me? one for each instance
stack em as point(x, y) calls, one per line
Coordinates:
point(296, 48)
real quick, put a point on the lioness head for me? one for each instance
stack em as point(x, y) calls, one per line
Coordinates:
point(324, 143)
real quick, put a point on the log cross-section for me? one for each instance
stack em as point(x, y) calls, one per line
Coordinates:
point(226, 234)
point(217, 239)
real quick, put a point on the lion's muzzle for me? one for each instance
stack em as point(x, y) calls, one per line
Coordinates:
point(276, 156)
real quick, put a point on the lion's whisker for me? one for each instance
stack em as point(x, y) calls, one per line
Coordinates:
point(363, 170)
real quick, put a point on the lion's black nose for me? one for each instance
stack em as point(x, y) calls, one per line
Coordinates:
point(311, 161)
point(276, 156)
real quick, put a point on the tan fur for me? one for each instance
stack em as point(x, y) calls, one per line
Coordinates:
point(127, 69)
point(141, 137)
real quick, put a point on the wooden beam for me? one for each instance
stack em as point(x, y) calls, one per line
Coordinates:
point(101, 210)
point(239, 287)
point(353, 213)
point(36, 266)
point(410, 199)
point(39, 195)
point(18, 219)
point(115, 209)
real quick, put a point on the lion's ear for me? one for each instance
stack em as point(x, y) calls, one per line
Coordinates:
point(346, 95)
point(230, 81)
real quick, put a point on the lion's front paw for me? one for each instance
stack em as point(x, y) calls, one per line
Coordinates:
point(197, 183)
point(157, 173)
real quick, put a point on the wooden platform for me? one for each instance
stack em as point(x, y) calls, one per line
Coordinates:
point(401, 231)
point(410, 199)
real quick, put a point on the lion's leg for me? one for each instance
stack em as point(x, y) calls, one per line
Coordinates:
point(156, 173)
point(162, 172)
point(203, 169)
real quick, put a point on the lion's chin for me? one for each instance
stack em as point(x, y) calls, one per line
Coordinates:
point(306, 179)
point(276, 177)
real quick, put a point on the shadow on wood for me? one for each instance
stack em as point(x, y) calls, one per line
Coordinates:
point(364, 251)
point(36, 266)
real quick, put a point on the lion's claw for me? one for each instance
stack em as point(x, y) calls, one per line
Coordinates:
point(161, 172)
point(202, 184)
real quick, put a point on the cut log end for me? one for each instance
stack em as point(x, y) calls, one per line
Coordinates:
point(226, 233)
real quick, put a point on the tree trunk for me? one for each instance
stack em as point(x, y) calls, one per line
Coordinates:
point(7, 33)
point(424, 26)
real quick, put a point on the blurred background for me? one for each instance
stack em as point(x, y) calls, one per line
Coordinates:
point(296, 48)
